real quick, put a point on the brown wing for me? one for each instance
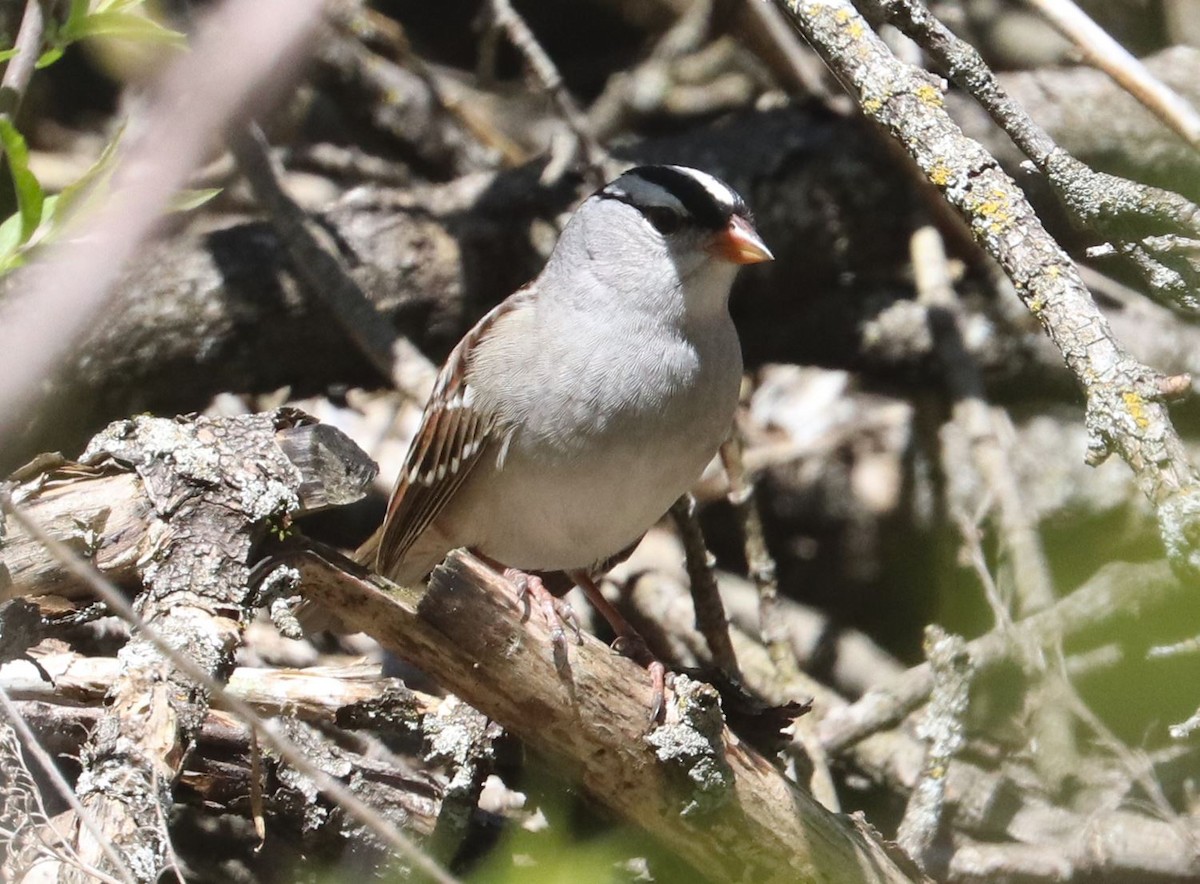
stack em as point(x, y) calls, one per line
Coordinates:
point(448, 444)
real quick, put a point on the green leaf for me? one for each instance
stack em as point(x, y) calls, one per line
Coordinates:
point(10, 237)
point(49, 57)
point(6, 54)
point(28, 190)
point(186, 200)
point(124, 26)
point(71, 197)
point(79, 11)
point(117, 5)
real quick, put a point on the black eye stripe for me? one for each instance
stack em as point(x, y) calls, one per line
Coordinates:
point(702, 207)
point(664, 220)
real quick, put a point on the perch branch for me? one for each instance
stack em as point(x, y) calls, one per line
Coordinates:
point(718, 804)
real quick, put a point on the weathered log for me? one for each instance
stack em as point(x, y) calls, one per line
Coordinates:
point(689, 782)
point(198, 496)
point(326, 711)
point(104, 510)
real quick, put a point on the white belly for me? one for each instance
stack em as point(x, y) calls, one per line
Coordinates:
point(560, 507)
point(539, 515)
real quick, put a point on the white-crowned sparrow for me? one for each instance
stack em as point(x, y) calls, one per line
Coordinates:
point(571, 417)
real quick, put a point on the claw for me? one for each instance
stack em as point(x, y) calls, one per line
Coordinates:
point(633, 646)
point(566, 616)
point(658, 678)
point(557, 612)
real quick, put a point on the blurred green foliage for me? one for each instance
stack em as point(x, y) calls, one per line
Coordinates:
point(40, 217)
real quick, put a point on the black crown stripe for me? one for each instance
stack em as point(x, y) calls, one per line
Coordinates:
point(697, 200)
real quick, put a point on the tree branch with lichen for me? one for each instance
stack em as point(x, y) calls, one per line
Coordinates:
point(1126, 409)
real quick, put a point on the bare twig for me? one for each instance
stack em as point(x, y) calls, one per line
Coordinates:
point(63, 788)
point(595, 157)
point(1102, 51)
point(1187, 646)
point(1117, 590)
point(943, 730)
point(981, 435)
point(324, 275)
point(710, 612)
point(115, 599)
point(20, 67)
point(1185, 729)
point(1115, 207)
point(765, 28)
point(759, 563)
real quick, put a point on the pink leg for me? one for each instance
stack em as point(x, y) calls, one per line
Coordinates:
point(628, 641)
point(557, 612)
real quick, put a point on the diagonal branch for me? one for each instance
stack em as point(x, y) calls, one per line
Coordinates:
point(713, 800)
point(20, 66)
point(1117, 208)
point(1125, 412)
point(1102, 51)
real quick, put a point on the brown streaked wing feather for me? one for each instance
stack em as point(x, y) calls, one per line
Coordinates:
point(448, 444)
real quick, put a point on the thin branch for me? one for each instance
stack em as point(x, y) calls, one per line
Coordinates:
point(710, 612)
point(115, 599)
point(1114, 207)
point(323, 273)
point(759, 564)
point(981, 436)
point(63, 787)
point(1105, 53)
point(1125, 411)
point(519, 34)
point(1117, 590)
point(1185, 729)
point(20, 67)
point(943, 730)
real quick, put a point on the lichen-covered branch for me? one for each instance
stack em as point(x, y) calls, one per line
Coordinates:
point(1126, 412)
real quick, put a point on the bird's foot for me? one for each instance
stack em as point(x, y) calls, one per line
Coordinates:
point(629, 642)
point(633, 646)
point(558, 613)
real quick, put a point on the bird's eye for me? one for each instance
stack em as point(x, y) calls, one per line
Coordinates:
point(664, 220)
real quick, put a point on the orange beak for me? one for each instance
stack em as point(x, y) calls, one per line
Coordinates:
point(739, 243)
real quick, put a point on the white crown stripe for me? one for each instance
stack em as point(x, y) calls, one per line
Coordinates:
point(717, 189)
